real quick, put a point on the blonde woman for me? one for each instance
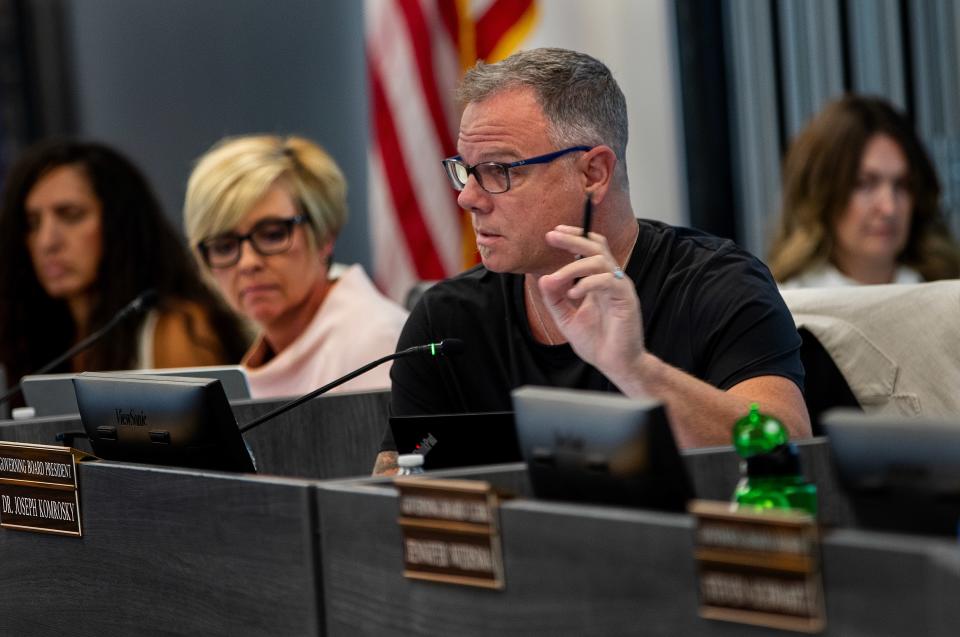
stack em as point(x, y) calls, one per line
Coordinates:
point(263, 213)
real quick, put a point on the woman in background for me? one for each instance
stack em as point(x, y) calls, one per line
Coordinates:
point(861, 203)
point(264, 212)
point(81, 235)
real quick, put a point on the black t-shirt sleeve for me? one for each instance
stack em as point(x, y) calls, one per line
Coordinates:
point(743, 328)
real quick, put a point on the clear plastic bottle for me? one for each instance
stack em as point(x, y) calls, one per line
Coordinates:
point(410, 464)
point(772, 476)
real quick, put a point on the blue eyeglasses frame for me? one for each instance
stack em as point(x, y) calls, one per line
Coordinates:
point(454, 164)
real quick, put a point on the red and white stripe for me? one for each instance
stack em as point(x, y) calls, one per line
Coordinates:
point(414, 217)
point(416, 50)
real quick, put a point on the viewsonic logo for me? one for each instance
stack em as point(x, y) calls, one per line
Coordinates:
point(131, 417)
point(569, 441)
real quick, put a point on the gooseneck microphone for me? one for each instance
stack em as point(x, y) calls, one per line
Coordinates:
point(144, 301)
point(446, 347)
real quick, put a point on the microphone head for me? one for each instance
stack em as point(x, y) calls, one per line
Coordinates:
point(450, 347)
point(145, 300)
point(446, 347)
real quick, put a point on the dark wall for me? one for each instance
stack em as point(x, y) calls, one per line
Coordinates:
point(165, 80)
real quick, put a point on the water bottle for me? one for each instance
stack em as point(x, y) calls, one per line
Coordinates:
point(410, 464)
point(23, 413)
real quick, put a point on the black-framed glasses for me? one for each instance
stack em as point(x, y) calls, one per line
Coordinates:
point(267, 237)
point(493, 176)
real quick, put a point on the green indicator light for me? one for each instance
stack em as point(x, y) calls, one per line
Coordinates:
point(433, 349)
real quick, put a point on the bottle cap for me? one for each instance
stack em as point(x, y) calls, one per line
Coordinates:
point(23, 413)
point(783, 460)
point(758, 433)
point(408, 460)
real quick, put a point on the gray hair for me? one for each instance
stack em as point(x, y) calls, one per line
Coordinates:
point(582, 102)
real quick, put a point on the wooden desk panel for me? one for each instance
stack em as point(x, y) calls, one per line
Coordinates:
point(585, 570)
point(168, 553)
point(570, 570)
point(42, 431)
point(334, 436)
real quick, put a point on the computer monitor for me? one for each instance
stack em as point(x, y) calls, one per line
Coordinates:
point(458, 440)
point(599, 447)
point(53, 394)
point(5, 405)
point(167, 420)
point(900, 473)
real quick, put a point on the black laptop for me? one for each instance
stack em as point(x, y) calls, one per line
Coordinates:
point(458, 440)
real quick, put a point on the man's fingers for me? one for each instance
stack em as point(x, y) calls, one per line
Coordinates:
point(577, 231)
point(601, 282)
point(574, 270)
point(568, 238)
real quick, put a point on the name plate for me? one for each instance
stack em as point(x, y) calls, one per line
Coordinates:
point(38, 488)
point(759, 568)
point(451, 531)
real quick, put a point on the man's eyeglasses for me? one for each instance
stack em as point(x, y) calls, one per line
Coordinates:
point(267, 237)
point(494, 177)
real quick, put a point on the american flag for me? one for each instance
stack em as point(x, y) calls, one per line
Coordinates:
point(417, 50)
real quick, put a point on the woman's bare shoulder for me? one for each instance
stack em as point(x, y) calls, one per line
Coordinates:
point(185, 337)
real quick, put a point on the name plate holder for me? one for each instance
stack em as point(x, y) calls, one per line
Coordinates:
point(451, 531)
point(38, 488)
point(759, 567)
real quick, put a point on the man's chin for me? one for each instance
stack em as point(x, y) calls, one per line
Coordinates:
point(495, 265)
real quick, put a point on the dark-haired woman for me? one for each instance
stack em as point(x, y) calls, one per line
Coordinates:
point(81, 235)
point(861, 203)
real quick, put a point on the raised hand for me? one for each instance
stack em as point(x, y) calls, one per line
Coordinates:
point(595, 305)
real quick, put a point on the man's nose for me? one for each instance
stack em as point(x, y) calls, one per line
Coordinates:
point(473, 197)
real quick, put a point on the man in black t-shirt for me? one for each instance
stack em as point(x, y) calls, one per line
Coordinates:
point(636, 306)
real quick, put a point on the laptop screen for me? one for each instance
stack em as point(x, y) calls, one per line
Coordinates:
point(54, 395)
point(458, 440)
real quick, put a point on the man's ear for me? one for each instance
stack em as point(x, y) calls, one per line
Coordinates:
point(598, 165)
